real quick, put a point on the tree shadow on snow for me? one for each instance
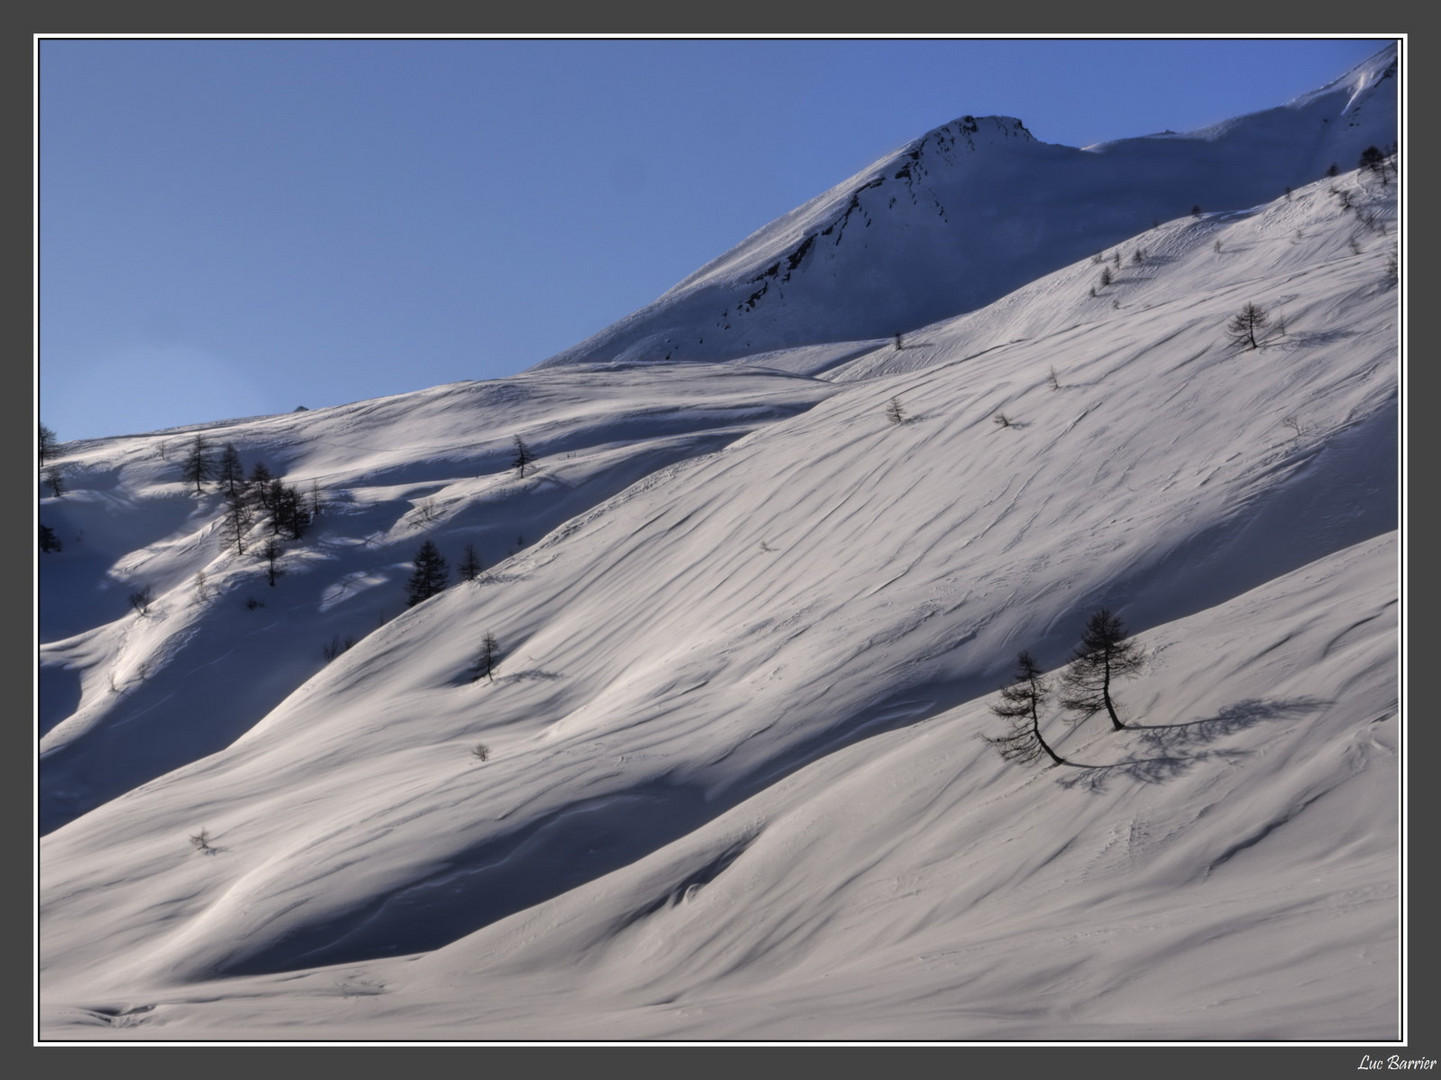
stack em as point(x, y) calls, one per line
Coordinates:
point(1191, 734)
point(1308, 338)
point(1231, 719)
point(471, 677)
point(1155, 770)
point(529, 675)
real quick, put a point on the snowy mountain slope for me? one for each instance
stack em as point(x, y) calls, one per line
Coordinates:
point(121, 694)
point(1224, 873)
point(1244, 248)
point(735, 786)
point(977, 208)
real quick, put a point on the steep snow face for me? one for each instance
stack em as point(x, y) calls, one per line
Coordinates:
point(974, 210)
point(1370, 85)
point(735, 780)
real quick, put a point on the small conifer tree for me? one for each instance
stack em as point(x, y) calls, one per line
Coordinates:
point(430, 576)
point(231, 472)
point(271, 553)
point(1105, 654)
point(522, 458)
point(483, 666)
point(236, 523)
point(1245, 324)
point(198, 466)
point(471, 567)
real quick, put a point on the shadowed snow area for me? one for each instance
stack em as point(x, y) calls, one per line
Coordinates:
point(728, 779)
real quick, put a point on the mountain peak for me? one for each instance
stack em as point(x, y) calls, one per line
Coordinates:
point(975, 129)
point(972, 210)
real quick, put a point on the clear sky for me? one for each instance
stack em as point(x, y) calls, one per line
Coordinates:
point(235, 227)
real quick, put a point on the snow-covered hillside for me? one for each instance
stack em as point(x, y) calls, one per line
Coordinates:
point(732, 780)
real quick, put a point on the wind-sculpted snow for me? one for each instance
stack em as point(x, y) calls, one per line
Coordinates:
point(729, 779)
point(142, 691)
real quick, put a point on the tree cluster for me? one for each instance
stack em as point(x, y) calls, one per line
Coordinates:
point(1377, 163)
point(1105, 654)
point(289, 512)
point(253, 499)
point(431, 571)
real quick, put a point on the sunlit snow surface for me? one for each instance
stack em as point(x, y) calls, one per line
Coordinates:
point(736, 785)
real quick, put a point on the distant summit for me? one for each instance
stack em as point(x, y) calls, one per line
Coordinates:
point(976, 208)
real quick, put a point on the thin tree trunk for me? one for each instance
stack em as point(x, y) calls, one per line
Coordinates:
point(1106, 693)
point(1036, 730)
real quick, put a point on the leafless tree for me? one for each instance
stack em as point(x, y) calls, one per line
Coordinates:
point(483, 666)
point(231, 472)
point(236, 523)
point(1020, 707)
point(1106, 653)
point(271, 553)
point(198, 466)
point(1245, 324)
point(49, 445)
point(470, 566)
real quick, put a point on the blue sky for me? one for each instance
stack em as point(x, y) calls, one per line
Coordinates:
point(234, 227)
